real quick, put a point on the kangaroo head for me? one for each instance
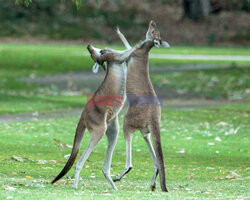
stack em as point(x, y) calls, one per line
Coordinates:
point(95, 53)
point(153, 34)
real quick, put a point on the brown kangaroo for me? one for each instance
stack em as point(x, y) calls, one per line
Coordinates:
point(99, 119)
point(144, 118)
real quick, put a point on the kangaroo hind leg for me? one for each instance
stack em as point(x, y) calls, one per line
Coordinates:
point(156, 136)
point(146, 137)
point(95, 136)
point(112, 134)
point(128, 134)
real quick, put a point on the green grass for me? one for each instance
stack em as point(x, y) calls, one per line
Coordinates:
point(232, 83)
point(27, 60)
point(19, 104)
point(38, 60)
point(203, 171)
point(195, 50)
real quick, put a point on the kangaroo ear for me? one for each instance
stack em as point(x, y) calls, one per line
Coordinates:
point(104, 66)
point(95, 68)
point(164, 44)
point(157, 43)
point(153, 24)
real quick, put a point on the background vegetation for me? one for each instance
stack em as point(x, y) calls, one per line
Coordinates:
point(203, 77)
point(226, 22)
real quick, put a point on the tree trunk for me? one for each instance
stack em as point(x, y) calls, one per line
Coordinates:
point(196, 9)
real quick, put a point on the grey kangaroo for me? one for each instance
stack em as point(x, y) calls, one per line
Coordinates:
point(98, 119)
point(144, 118)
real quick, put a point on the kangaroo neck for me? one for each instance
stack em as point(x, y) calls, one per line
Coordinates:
point(147, 45)
point(138, 80)
point(139, 60)
point(119, 71)
point(115, 80)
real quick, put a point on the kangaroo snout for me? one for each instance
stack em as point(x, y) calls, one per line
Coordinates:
point(90, 48)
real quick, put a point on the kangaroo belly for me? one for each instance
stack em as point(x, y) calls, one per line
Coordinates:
point(143, 103)
point(119, 71)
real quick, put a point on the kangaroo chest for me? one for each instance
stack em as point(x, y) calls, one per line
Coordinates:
point(118, 86)
point(138, 81)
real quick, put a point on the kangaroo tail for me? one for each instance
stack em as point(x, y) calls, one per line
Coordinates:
point(156, 136)
point(76, 146)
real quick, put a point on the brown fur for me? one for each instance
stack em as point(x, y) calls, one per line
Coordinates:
point(96, 118)
point(145, 118)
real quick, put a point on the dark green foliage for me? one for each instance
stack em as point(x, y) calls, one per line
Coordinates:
point(63, 19)
point(243, 5)
point(85, 19)
point(211, 37)
point(26, 2)
point(196, 9)
point(54, 19)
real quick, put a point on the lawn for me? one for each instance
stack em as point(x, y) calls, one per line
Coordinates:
point(218, 84)
point(27, 60)
point(206, 149)
point(39, 103)
point(206, 155)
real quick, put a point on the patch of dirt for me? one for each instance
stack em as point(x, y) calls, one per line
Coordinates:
point(175, 104)
point(88, 82)
point(77, 81)
point(35, 116)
